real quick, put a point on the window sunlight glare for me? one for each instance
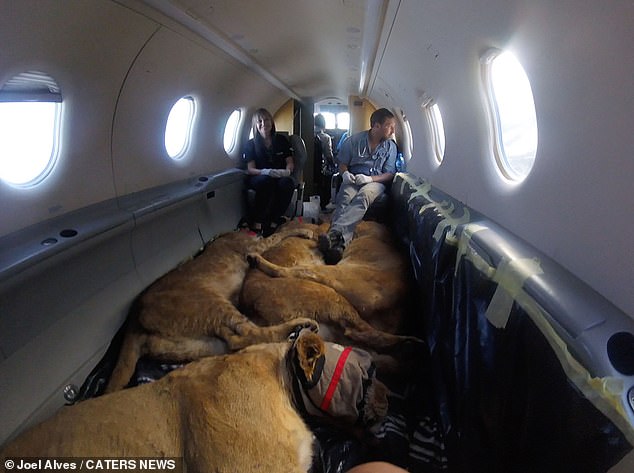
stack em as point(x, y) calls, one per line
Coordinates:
point(178, 127)
point(516, 114)
point(331, 120)
point(343, 120)
point(27, 140)
point(439, 132)
point(231, 131)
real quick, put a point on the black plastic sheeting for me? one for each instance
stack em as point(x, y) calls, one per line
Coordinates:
point(409, 436)
point(501, 396)
point(510, 404)
point(482, 400)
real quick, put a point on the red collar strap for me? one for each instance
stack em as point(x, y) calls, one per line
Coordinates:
point(334, 381)
point(338, 387)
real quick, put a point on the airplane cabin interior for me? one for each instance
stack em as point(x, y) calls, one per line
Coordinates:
point(124, 126)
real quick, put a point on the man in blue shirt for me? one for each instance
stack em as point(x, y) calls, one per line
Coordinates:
point(367, 161)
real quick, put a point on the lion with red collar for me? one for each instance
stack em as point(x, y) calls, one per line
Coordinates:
point(236, 413)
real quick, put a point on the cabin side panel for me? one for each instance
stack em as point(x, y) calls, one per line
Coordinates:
point(87, 47)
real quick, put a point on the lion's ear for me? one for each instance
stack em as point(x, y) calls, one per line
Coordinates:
point(310, 353)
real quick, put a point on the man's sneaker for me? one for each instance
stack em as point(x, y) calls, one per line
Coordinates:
point(334, 254)
point(323, 243)
point(329, 240)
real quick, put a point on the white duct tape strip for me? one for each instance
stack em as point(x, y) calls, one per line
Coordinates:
point(421, 189)
point(605, 393)
point(447, 210)
point(452, 222)
point(510, 276)
point(464, 248)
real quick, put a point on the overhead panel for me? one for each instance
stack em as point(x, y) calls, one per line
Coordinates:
point(307, 49)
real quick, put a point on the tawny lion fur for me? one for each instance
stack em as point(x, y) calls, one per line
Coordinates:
point(362, 297)
point(182, 315)
point(231, 413)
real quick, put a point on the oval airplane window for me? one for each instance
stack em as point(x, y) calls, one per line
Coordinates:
point(512, 114)
point(178, 127)
point(30, 111)
point(231, 131)
point(437, 131)
point(408, 140)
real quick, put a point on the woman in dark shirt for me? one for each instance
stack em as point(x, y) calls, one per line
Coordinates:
point(269, 167)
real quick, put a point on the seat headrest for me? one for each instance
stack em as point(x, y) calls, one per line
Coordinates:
point(300, 154)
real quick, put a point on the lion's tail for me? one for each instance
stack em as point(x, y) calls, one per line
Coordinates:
point(132, 348)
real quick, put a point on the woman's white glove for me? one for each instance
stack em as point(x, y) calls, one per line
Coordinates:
point(362, 179)
point(348, 177)
point(265, 171)
point(279, 173)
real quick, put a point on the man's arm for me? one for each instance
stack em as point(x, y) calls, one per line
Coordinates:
point(385, 177)
point(389, 166)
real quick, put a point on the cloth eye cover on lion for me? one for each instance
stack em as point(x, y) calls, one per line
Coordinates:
point(340, 385)
point(208, 411)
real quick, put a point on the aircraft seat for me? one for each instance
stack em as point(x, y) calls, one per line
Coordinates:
point(301, 156)
point(295, 207)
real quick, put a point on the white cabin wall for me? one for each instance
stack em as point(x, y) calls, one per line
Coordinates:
point(87, 48)
point(579, 60)
point(574, 205)
point(120, 71)
point(170, 67)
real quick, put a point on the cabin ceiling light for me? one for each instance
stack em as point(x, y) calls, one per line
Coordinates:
point(216, 38)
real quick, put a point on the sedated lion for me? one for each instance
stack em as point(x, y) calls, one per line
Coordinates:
point(191, 311)
point(360, 300)
point(237, 412)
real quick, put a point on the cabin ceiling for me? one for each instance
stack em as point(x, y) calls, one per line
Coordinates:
point(310, 48)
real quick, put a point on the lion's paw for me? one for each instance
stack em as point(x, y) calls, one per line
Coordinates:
point(302, 323)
